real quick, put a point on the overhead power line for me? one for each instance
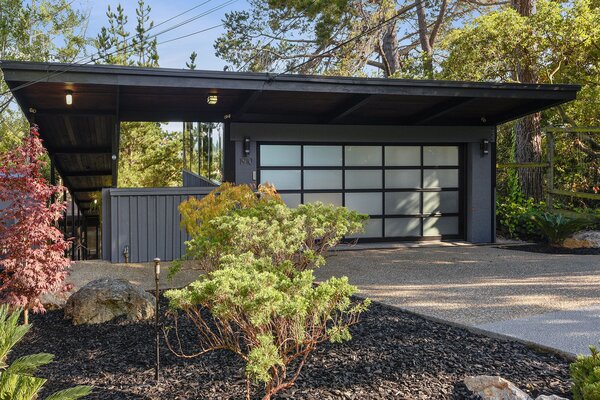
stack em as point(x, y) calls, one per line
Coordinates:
point(82, 61)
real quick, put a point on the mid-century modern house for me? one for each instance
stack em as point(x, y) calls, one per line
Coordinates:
point(418, 156)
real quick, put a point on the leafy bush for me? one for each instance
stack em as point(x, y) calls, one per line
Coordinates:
point(16, 380)
point(555, 228)
point(196, 213)
point(513, 212)
point(269, 318)
point(585, 373)
point(266, 228)
point(259, 298)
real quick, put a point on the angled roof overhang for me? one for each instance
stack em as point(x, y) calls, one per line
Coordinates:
point(81, 136)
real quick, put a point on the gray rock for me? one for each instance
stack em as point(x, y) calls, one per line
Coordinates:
point(583, 239)
point(107, 298)
point(494, 388)
point(553, 397)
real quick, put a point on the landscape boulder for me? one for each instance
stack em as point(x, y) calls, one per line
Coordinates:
point(583, 239)
point(494, 388)
point(498, 388)
point(107, 298)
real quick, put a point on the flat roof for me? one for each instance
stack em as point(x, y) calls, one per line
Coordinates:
point(80, 136)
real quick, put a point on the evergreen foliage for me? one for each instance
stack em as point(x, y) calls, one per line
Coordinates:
point(17, 379)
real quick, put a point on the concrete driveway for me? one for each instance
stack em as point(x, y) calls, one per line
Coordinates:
point(502, 290)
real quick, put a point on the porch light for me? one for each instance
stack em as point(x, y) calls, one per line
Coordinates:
point(212, 99)
point(69, 97)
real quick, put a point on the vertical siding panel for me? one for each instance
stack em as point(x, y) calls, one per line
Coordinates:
point(151, 218)
point(142, 223)
point(123, 230)
point(133, 231)
point(169, 227)
point(114, 230)
point(161, 226)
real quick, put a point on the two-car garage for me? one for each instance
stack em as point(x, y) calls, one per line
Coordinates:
point(409, 191)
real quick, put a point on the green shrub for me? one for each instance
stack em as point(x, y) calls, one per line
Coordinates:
point(513, 211)
point(259, 298)
point(271, 229)
point(585, 373)
point(555, 228)
point(267, 317)
point(16, 380)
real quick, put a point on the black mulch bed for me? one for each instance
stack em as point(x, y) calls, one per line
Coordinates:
point(393, 354)
point(544, 248)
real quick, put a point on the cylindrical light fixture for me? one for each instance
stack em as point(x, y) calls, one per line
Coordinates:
point(69, 97)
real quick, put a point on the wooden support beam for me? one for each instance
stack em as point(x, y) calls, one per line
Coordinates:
point(438, 110)
point(115, 140)
point(348, 108)
point(245, 105)
point(74, 113)
point(87, 190)
point(100, 172)
point(80, 150)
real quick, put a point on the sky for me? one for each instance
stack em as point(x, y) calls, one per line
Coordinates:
point(176, 53)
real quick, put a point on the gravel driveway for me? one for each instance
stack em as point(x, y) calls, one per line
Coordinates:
point(471, 285)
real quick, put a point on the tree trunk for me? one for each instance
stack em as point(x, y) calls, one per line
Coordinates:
point(390, 50)
point(528, 149)
point(528, 134)
point(426, 47)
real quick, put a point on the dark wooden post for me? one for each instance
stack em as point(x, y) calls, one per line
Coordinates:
point(115, 143)
point(74, 243)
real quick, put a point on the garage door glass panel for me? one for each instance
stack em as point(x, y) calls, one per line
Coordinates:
point(335, 199)
point(437, 226)
point(281, 179)
point(403, 178)
point(363, 179)
point(402, 203)
point(440, 155)
point(363, 156)
point(291, 200)
point(402, 227)
point(440, 178)
point(322, 156)
point(440, 202)
point(322, 179)
point(401, 156)
point(280, 155)
point(373, 229)
point(366, 203)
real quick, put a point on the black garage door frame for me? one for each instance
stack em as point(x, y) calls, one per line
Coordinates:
point(462, 183)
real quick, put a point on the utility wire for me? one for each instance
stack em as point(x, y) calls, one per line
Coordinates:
point(400, 12)
point(92, 57)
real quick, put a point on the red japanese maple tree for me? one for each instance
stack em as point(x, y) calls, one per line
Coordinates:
point(32, 248)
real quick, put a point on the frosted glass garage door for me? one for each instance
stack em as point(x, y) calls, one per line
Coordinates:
point(409, 191)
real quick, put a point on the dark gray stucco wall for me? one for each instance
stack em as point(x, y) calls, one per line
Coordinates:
point(147, 220)
point(479, 189)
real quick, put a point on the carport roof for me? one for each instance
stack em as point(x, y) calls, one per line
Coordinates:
point(81, 136)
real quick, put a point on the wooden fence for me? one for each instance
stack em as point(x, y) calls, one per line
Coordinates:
point(551, 192)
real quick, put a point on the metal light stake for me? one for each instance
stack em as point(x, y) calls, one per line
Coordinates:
point(156, 313)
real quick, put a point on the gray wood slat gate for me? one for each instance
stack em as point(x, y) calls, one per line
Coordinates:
point(146, 220)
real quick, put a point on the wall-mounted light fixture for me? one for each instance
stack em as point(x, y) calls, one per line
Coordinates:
point(485, 147)
point(212, 99)
point(246, 146)
point(69, 97)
